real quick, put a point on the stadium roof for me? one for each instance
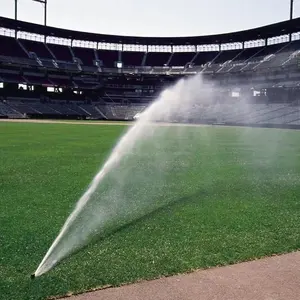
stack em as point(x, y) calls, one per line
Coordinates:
point(281, 28)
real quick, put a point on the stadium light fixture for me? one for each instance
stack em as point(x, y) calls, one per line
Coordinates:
point(44, 2)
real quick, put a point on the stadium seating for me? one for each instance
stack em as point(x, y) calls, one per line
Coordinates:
point(231, 113)
point(157, 58)
point(86, 55)
point(109, 58)
point(38, 48)
point(61, 52)
point(38, 80)
point(92, 111)
point(8, 111)
point(182, 58)
point(130, 58)
point(215, 61)
point(205, 57)
point(98, 83)
point(10, 47)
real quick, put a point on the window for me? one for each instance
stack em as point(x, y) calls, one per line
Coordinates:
point(158, 48)
point(184, 48)
point(296, 36)
point(22, 86)
point(254, 44)
point(58, 41)
point(7, 32)
point(85, 44)
point(278, 39)
point(110, 46)
point(136, 48)
point(208, 48)
point(50, 89)
point(235, 94)
point(231, 46)
point(30, 36)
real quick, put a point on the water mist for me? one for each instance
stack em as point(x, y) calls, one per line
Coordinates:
point(145, 171)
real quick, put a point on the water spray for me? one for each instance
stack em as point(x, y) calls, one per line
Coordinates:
point(139, 172)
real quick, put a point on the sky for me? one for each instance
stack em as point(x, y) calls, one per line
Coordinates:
point(154, 17)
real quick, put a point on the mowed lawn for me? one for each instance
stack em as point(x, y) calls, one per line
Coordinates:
point(243, 202)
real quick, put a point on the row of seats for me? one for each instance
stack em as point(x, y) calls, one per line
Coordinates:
point(123, 112)
point(245, 113)
point(218, 113)
point(13, 108)
point(53, 55)
point(8, 111)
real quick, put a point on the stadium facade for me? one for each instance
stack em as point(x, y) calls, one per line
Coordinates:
point(48, 72)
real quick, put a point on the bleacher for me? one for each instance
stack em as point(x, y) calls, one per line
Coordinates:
point(8, 111)
point(86, 55)
point(205, 57)
point(230, 113)
point(131, 58)
point(63, 109)
point(181, 58)
point(11, 48)
point(55, 77)
point(157, 58)
point(22, 107)
point(108, 58)
point(38, 48)
point(64, 57)
point(61, 52)
point(92, 111)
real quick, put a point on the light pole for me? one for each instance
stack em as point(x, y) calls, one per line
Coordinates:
point(45, 9)
point(16, 9)
point(291, 9)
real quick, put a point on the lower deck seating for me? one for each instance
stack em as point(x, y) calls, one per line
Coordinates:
point(7, 111)
point(230, 113)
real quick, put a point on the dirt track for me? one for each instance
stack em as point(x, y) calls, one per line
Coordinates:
point(87, 122)
point(273, 278)
point(65, 122)
point(126, 123)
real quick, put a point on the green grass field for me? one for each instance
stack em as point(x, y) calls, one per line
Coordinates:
point(243, 203)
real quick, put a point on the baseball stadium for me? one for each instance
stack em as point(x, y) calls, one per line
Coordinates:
point(149, 167)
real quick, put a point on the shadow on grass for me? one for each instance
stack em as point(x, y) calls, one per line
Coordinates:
point(167, 206)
